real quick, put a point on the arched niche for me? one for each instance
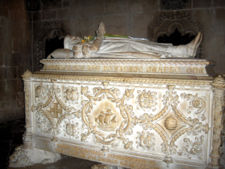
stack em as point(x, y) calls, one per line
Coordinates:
point(53, 41)
point(176, 27)
point(45, 42)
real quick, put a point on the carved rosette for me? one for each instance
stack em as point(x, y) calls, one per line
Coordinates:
point(147, 99)
point(107, 115)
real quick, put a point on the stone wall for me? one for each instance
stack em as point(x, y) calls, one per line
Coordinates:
point(14, 57)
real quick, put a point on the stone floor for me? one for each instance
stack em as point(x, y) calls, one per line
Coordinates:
point(11, 137)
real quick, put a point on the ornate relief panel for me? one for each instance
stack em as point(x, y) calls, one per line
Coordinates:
point(161, 120)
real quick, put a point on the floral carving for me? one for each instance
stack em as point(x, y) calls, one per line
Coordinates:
point(196, 103)
point(70, 94)
point(193, 147)
point(146, 99)
point(71, 129)
point(146, 140)
point(125, 118)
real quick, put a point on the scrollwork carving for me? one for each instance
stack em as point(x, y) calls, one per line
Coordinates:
point(196, 103)
point(70, 93)
point(193, 147)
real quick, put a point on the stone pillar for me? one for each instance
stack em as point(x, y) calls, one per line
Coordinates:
point(27, 138)
point(219, 87)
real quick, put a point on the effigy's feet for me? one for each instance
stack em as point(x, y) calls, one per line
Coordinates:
point(194, 44)
point(101, 30)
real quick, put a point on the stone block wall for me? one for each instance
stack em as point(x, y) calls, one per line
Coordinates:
point(14, 57)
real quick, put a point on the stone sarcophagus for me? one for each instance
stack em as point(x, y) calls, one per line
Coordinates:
point(133, 113)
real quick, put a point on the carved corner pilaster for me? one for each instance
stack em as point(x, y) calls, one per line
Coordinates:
point(218, 104)
point(27, 138)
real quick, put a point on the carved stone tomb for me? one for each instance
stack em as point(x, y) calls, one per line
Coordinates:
point(133, 113)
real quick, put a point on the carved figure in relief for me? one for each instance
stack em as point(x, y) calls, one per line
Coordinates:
point(115, 46)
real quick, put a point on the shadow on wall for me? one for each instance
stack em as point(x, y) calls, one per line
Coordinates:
point(48, 40)
point(176, 38)
point(53, 43)
point(176, 27)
